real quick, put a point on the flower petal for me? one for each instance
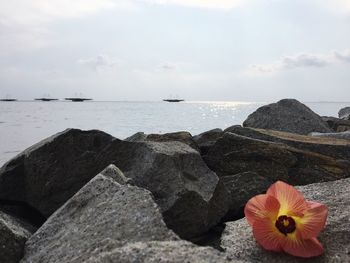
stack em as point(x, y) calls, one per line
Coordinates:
point(292, 201)
point(261, 206)
point(305, 248)
point(313, 221)
point(267, 235)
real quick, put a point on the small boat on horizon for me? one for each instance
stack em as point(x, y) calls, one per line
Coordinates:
point(173, 100)
point(77, 99)
point(45, 99)
point(8, 99)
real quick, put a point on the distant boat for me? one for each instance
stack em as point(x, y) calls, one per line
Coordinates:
point(45, 99)
point(77, 99)
point(8, 99)
point(173, 100)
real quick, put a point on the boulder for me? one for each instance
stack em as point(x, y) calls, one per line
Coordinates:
point(241, 188)
point(238, 241)
point(337, 125)
point(189, 194)
point(287, 115)
point(338, 135)
point(163, 252)
point(344, 113)
point(207, 139)
point(182, 136)
point(334, 147)
point(47, 174)
point(13, 235)
point(102, 216)
point(233, 154)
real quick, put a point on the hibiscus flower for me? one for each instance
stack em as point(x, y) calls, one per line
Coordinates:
point(282, 220)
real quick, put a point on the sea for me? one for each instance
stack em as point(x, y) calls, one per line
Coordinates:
point(24, 123)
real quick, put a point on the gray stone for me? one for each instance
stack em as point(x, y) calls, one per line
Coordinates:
point(338, 135)
point(47, 174)
point(239, 243)
point(241, 188)
point(337, 125)
point(13, 235)
point(344, 113)
point(207, 139)
point(102, 216)
point(233, 154)
point(287, 115)
point(163, 252)
point(333, 147)
point(189, 194)
point(137, 137)
point(182, 136)
point(114, 172)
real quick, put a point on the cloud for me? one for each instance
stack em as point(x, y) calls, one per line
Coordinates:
point(343, 56)
point(303, 60)
point(98, 63)
point(24, 25)
point(210, 4)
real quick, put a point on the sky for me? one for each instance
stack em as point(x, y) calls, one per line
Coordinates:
point(147, 50)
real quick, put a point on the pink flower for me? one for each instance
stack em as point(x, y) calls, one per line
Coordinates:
point(282, 220)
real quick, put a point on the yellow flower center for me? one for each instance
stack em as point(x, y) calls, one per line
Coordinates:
point(285, 224)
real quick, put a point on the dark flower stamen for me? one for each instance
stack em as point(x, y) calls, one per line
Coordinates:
point(285, 224)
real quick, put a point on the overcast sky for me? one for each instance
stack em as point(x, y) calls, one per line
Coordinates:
point(250, 50)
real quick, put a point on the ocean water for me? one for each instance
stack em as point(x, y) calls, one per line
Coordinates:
point(24, 123)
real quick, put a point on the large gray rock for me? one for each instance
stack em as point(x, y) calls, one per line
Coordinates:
point(334, 147)
point(47, 174)
point(207, 139)
point(344, 113)
point(13, 235)
point(238, 239)
point(233, 154)
point(189, 194)
point(163, 252)
point(182, 136)
point(102, 216)
point(337, 125)
point(287, 115)
point(241, 188)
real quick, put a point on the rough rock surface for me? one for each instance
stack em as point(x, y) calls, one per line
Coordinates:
point(334, 147)
point(189, 194)
point(287, 115)
point(163, 252)
point(47, 174)
point(207, 139)
point(102, 216)
point(241, 188)
point(182, 136)
point(338, 135)
point(337, 125)
point(13, 235)
point(344, 113)
point(233, 154)
point(238, 239)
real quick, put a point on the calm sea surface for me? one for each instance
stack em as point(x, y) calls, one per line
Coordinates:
point(25, 123)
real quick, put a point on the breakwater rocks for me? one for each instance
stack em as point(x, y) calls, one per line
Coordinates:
point(85, 196)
